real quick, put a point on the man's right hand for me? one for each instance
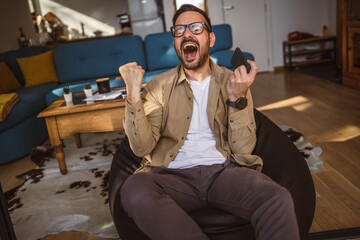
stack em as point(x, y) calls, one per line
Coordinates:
point(132, 73)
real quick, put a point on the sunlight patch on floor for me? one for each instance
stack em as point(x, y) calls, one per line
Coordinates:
point(302, 106)
point(342, 134)
point(299, 103)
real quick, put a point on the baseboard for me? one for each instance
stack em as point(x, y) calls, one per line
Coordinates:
point(348, 233)
point(279, 69)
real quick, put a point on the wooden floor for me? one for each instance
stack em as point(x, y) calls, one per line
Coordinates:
point(328, 114)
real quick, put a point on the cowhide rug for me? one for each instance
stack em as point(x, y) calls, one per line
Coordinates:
point(49, 203)
point(310, 153)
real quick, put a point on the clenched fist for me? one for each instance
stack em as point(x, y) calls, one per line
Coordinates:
point(133, 74)
point(240, 81)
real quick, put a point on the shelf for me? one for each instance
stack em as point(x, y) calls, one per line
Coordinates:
point(305, 52)
point(309, 40)
point(312, 62)
point(322, 46)
point(352, 23)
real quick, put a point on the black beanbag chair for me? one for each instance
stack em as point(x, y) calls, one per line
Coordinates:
point(282, 162)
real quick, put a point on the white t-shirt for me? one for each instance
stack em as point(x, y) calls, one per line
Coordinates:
point(199, 146)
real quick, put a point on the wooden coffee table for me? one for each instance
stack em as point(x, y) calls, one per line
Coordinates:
point(65, 121)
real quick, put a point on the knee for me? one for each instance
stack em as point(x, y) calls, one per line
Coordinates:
point(282, 198)
point(134, 191)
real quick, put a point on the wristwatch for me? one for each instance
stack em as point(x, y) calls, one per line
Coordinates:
point(240, 103)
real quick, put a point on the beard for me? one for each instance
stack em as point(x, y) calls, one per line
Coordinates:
point(203, 53)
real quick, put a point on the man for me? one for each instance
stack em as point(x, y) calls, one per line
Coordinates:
point(194, 127)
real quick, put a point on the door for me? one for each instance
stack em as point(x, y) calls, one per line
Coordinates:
point(248, 20)
point(146, 17)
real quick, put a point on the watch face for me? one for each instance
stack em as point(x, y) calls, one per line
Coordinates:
point(241, 103)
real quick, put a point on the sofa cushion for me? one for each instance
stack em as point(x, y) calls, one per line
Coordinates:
point(38, 69)
point(8, 81)
point(11, 56)
point(223, 57)
point(97, 58)
point(31, 102)
point(160, 52)
point(150, 74)
point(223, 37)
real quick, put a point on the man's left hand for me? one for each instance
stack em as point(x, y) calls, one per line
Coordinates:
point(240, 81)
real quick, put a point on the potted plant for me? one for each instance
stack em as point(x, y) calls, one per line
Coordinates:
point(88, 90)
point(67, 94)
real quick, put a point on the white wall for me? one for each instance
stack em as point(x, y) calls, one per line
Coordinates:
point(332, 17)
point(216, 13)
point(14, 14)
point(299, 15)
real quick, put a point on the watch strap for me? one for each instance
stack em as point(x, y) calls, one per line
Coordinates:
point(240, 103)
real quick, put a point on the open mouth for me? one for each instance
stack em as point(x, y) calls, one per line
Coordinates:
point(190, 50)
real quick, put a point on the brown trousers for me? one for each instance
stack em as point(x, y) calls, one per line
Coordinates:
point(158, 201)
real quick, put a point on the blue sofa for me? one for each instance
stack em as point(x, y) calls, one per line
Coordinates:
point(84, 62)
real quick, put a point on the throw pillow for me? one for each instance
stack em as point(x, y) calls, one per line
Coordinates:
point(8, 81)
point(38, 69)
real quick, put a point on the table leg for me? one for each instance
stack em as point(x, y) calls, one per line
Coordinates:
point(78, 140)
point(60, 156)
point(56, 143)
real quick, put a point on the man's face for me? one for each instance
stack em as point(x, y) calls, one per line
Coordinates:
point(193, 50)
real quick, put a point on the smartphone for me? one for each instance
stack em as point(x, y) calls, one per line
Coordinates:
point(239, 59)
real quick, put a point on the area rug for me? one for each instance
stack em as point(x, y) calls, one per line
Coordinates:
point(310, 153)
point(49, 203)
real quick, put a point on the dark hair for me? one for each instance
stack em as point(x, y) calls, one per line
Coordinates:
point(189, 7)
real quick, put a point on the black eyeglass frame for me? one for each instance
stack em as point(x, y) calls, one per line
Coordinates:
point(188, 26)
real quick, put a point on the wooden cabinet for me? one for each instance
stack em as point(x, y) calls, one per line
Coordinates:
point(351, 43)
point(309, 51)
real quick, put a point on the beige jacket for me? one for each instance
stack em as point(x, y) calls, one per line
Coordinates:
point(158, 125)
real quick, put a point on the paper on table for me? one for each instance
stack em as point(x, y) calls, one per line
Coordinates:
point(106, 96)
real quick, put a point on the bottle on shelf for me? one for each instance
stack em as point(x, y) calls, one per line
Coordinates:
point(325, 31)
point(23, 41)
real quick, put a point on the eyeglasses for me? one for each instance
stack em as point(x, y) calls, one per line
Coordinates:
point(195, 27)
